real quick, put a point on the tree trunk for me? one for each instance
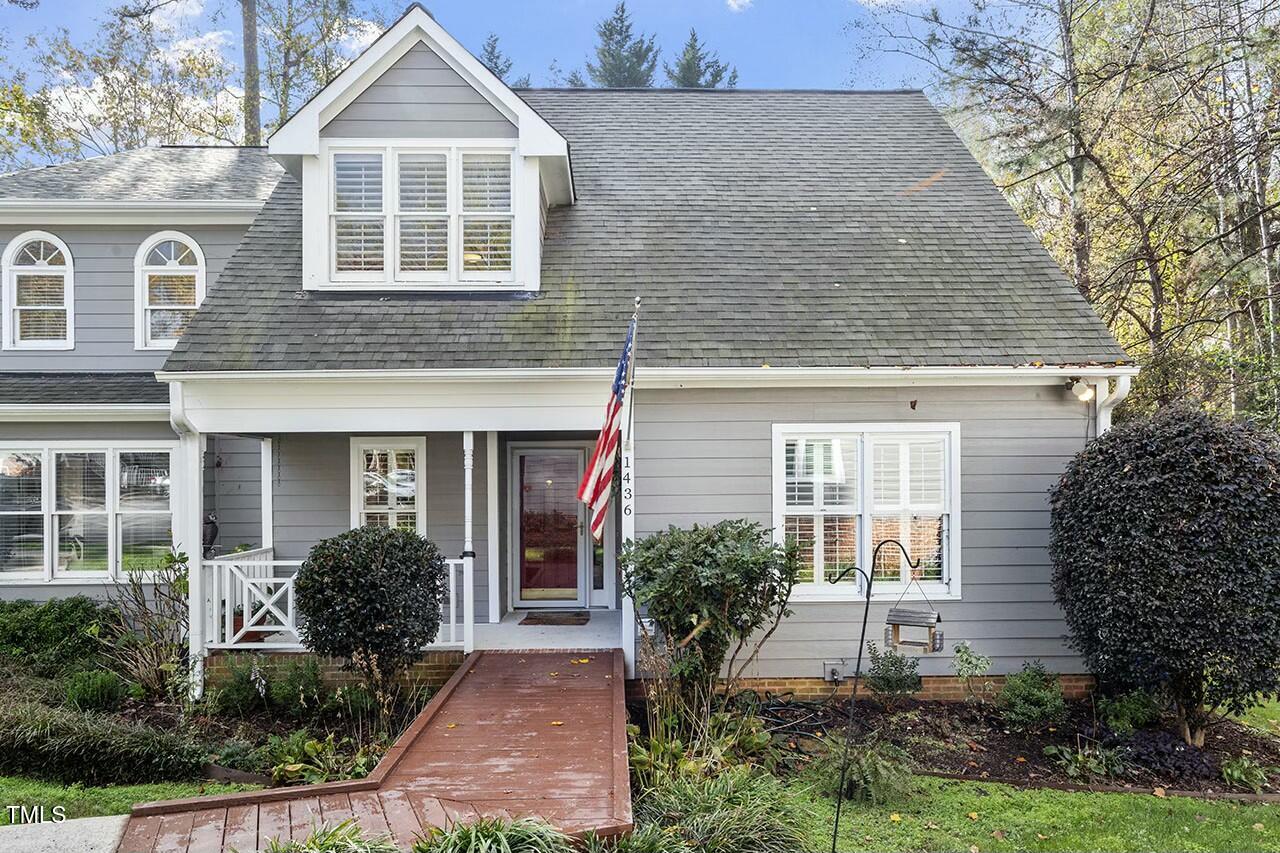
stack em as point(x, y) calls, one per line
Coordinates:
point(252, 85)
point(1080, 241)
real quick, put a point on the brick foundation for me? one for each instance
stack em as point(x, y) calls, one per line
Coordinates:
point(946, 688)
point(432, 670)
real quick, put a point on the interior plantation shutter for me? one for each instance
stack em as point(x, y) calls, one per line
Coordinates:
point(486, 213)
point(358, 224)
point(423, 204)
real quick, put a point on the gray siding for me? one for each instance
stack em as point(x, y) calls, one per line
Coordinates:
point(236, 481)
point(420, 97)
point(102, 258)
point(703, 456)
point(311, 498)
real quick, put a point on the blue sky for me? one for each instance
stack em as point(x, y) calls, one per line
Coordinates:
point(774, 43)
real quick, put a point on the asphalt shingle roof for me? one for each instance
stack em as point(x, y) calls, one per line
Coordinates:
point(170, 173)
point(787, 228)
point(55, 389)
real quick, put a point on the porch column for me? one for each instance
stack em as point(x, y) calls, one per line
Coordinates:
point(468, 546)
point(267, 480)
point(491, 498)
point(188, 537)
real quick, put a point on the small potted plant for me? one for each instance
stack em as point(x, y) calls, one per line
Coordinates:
point(237, 624)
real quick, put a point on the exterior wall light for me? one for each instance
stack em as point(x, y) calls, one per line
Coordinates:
point(1083, 390)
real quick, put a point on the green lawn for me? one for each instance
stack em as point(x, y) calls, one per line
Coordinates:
point(1264, 717)
point(947, 815)
point(90, 802)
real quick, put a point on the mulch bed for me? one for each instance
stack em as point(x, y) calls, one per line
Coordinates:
point(970, 741)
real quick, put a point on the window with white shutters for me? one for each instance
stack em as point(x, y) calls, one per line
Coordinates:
point(38, 294)
point(170, 282)
point(424, 217)
point(842, 490)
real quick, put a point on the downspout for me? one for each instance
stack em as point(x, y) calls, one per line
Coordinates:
point(190, 463)
point(1107, 399)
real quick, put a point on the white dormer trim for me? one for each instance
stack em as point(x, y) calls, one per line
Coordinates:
point(300, 135)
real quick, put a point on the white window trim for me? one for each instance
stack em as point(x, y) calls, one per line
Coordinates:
point(140, 270)
point(387, 279)
point(50, 574)
point(7, 326)
point(416, 443)
point(820, 590)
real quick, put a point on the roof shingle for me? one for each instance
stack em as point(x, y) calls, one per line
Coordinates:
point(58, 389)
point(807, 229)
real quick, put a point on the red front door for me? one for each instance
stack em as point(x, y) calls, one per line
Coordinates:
point(549, 526)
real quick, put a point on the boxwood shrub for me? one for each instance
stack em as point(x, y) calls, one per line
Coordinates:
point(68, 746)
point(52, 637)
point(371, 596)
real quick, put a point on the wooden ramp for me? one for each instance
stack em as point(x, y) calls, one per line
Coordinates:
point(511, 734)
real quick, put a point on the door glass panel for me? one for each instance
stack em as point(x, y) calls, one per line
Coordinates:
point(548, 527)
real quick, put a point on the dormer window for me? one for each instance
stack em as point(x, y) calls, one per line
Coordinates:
point(420, 216)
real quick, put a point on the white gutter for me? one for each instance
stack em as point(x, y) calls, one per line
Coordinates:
point(690, 377)
point(1107, 399)
point(178, 410)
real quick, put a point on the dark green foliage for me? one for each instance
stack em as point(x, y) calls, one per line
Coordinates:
point(878, 771)
point(739, 810)
point(891, 676)
point(52, 637)
point(372, 596)
point(295, 688)
point(1032, 699)
point(709, 589)
point(699, 68)
point(624, 60)
point(1243, 772)
point(1165, 753)
point(1166, 552)
point(62, 745)
point(97, 690)
point(245, 689)
point(242, 755)
point(1129, 712)
point(500, 835)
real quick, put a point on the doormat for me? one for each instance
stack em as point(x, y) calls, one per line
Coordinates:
point(556, 617)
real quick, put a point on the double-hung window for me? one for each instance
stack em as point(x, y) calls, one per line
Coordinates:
point(84, 512)
point(385, 483)
point(169, 287)
point(840, 490)
point(420, 217)
point(39, 296)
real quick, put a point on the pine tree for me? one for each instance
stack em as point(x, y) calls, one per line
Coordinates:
point(699, 68)
point(623, 59)
point(494, 59)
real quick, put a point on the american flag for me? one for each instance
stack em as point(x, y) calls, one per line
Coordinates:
point(597, 483)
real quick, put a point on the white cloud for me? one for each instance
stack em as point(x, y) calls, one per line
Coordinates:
point(169, 16)
point(213, 41)
point(360, 34)
point(739, 5)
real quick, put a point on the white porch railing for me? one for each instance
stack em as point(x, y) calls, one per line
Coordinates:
point(250, 605)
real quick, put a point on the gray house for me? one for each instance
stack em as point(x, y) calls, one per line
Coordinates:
point(408, 308)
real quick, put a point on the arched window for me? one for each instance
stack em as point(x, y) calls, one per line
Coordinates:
point(170, 287)
point(38, 293)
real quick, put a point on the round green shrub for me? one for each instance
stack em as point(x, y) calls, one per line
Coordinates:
point(372, 596)
point(1166, 551)
point(98, 690)
point(1032, 699)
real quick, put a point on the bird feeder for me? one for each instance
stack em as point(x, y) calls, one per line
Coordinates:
point(901, 617)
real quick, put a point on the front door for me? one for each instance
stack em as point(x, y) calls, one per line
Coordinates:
point(550, 559)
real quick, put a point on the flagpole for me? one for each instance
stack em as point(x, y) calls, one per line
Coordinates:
point(628, 497)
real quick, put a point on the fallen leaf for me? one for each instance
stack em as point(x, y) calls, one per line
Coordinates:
point(557, 722)
point(555, 675)
point(931, 825)
point(451, 726)
point(1020, 760)
point(1258, 827)
point(998, 835)
point(1053, 728)
point(973, 815)
point(1042, 837)
point(973, 848)
point(584, 660)
point(1201, 818)
point(895, 817)
point(1159, 792)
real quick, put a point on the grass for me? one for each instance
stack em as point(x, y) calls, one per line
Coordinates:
point(91, 802)
point(947, 815)
point(1264, 717)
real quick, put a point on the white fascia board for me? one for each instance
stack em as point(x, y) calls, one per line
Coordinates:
point(688, 377)
point(300, 135)
point(107, 412)
point(151, 212)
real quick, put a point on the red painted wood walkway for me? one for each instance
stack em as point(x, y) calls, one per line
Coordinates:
point(511, 734)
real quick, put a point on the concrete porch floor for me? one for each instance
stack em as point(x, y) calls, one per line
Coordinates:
point(604, 631)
